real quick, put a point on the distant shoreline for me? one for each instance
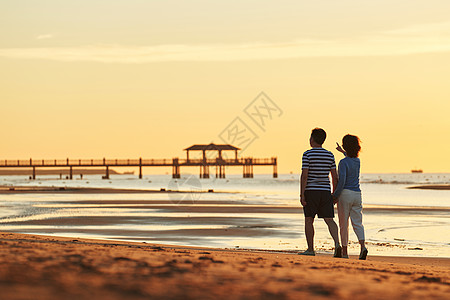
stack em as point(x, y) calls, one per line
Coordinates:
point(85, 190)
point(445, 187)
point(42, 171)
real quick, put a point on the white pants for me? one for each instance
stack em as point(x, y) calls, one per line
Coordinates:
point(350, 205)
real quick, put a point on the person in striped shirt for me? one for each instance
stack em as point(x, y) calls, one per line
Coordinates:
point(315, 190)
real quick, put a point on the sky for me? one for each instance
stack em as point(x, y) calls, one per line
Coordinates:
point(135, 78)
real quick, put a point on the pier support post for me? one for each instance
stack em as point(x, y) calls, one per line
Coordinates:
point(175, 168)
point(34, 173)
point(71, 173)
point(248, 168)
point(204, 171)
point(275, 169)
point(107, 173)
point(220, 171)
point(140, 168)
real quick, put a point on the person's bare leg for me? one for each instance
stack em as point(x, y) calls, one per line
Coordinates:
point(333, 229)
point(309, 232)
point(363, 245)
point(344, 251)
point(363, 253)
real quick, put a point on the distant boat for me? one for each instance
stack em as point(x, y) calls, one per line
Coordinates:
point(417, 171)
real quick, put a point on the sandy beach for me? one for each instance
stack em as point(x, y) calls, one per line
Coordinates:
point(42, 267)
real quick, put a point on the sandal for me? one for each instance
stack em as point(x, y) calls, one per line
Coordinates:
point(308, 253)
point(338, 252)
point(363, 254)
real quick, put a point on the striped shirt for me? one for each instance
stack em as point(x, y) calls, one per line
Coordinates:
point(319, 163)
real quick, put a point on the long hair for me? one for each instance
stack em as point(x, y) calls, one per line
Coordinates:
point(351, 145)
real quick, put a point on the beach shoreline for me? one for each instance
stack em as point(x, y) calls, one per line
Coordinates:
point(49, 267)
point(443, 187)
point(88, 190)
point(202, 218)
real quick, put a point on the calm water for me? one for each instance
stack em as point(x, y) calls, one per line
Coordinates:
point(247, 213)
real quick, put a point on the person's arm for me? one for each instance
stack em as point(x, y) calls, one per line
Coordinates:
point(334, 179)
point(304, 178)
point(339, 148)
point(303, 181)
point(342, 179)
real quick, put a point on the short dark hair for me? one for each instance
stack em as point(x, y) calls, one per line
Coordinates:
point(318, 135)
point(351, 145)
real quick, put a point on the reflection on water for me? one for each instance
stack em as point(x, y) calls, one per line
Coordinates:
point(250, 213)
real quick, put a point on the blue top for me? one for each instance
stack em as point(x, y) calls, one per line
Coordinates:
point(348, 175)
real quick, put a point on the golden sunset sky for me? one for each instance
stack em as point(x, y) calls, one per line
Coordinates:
point(129, 78)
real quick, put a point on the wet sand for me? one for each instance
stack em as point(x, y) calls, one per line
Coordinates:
point(218, 221)
point(42, 267)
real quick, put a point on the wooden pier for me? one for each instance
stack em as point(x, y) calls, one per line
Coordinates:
point(204, 163)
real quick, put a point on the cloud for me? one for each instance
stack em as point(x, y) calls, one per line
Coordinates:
point(441, 29)
point(44, 36)
point(429, 38)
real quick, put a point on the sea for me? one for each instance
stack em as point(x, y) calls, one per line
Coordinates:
point(236, 213)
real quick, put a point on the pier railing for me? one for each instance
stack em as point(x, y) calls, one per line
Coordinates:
point(132, 162)
point(219, 162)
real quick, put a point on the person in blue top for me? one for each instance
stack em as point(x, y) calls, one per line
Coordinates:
point(348, 194)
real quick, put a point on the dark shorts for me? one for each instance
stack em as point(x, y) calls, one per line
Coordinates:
point(318, 203)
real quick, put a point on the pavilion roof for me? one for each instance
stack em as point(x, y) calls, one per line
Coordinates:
point(212, 146)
